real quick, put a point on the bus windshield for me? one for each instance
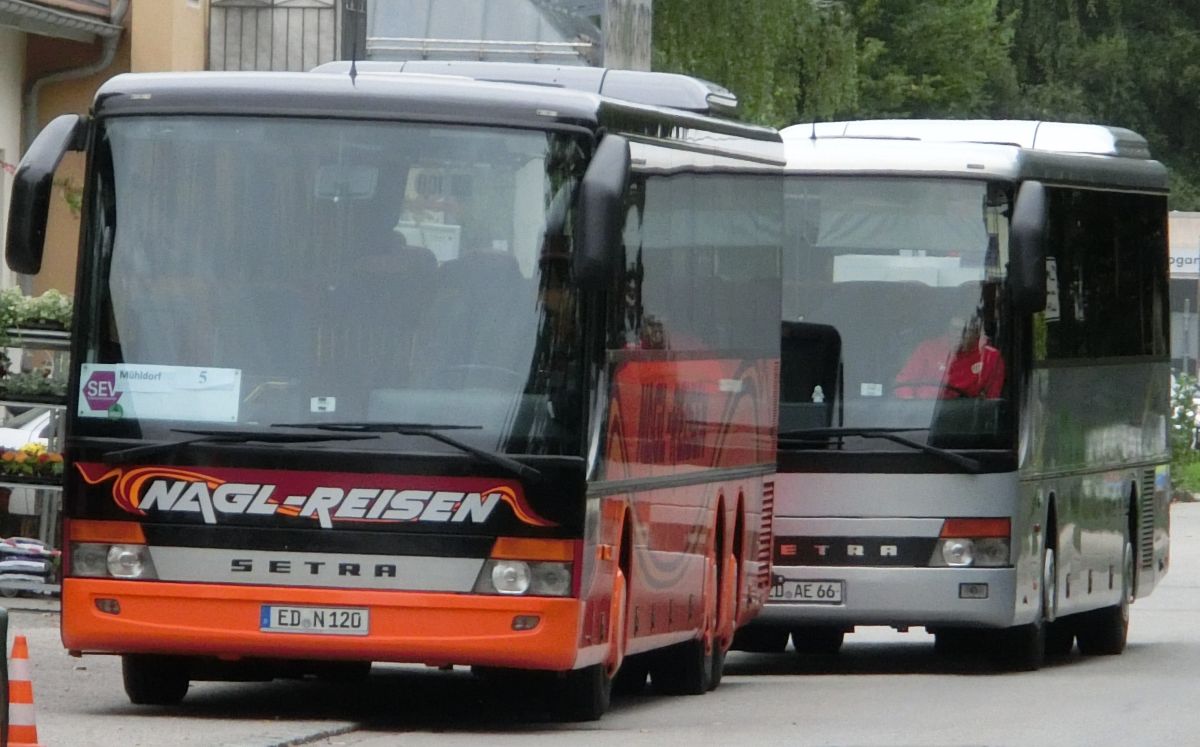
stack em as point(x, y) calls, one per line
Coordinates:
point(249, 272)
point(893, 315)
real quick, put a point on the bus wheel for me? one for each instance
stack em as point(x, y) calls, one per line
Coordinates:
point(582, 694)
point(760, 639)
point(956, 641)
point(154, 680)
point(726, 619)
point(1023, 648)
point(585, 694)
point(687, 668)
point(818, 639)
point(1104, 632)
point(631, 677)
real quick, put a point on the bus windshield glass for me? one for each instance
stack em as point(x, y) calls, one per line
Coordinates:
point(893, 313)
point(249, 272)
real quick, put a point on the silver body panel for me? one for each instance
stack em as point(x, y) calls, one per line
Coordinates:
point(838, 506)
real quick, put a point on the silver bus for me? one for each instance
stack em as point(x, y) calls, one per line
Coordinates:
point(974, 387)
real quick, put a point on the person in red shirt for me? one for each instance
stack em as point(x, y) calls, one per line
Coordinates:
point(959, 363)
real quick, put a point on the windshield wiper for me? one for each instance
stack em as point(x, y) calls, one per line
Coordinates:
point(429, 430)
point(890, 434)
point(123, 456)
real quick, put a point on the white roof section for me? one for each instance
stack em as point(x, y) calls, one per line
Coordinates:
point(1054, 152)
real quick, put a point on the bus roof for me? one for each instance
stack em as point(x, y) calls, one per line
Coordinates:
point(655, 89)
point(1053, 152)
point(422, 97)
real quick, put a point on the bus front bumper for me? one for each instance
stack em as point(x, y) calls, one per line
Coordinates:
point(226, 622)
point(969, 597)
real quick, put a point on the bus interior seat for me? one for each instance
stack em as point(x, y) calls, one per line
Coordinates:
point(389, 292)
point(811, 356)
point(474, 322)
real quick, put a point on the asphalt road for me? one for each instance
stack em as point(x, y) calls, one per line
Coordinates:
point(885, 688)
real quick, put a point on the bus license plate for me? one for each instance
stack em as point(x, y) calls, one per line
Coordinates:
point(808, 592)
point(322, 620)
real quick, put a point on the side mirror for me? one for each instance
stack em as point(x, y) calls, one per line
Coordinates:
point(32, 188)
point(1027, 248)
point(601, 215)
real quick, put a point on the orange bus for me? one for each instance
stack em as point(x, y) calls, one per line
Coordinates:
point(443, 363)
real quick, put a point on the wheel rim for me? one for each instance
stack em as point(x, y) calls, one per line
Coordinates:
point(1049, 586)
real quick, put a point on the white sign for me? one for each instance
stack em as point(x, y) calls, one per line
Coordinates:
point(147, 392)
point(1053, 311)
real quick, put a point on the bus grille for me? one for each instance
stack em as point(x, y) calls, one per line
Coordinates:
point(1146, 519)
point(765, 535)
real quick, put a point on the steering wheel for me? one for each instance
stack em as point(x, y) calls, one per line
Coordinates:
point(936, 384)
point(467, 369)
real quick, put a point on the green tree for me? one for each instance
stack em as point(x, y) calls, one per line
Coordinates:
point(933, 58)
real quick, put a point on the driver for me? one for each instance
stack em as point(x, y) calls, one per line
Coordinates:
point(961, 362)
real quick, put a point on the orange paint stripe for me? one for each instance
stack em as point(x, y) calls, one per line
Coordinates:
point(524, 548)
point(106, 531)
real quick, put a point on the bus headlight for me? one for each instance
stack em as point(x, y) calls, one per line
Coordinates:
point(89, 560)
point(510, 576)
point(977, 552)
point(524, 577)
point(97, 560)
point(958, 552)
point(130, 561)
point(973, 543)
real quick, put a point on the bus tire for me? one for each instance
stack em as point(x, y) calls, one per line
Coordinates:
point(760, 639)
point(687, 668)
point(631, 677)
point(1060, 637)
point(582, 694)
point(1105, 631)
point(1023, 648)
point(821, 640)
point(726, 619)
point(956, 641)
point(682, 669)
point(155, 680)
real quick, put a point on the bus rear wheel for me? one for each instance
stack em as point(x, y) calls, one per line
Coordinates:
point(1105, 631)
point(689, 668)
point(155, 680)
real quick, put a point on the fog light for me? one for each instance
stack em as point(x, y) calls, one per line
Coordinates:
point(511, 576)
point(111, 606)
point(972, 591)
point(526, 622)
point(958, 552)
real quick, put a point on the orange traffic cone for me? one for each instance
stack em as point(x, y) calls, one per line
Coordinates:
point(22, 724)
